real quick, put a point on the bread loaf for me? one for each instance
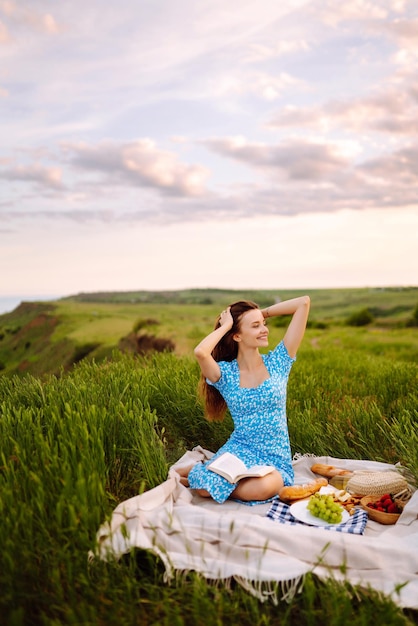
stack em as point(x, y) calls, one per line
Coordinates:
point(329, 470)
point(298, 492)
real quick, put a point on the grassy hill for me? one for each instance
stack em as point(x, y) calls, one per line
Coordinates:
point(46, 338)
point(74, 446)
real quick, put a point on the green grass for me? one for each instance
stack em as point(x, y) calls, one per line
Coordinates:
point(327, 303)
point(72, 447)
point(398, 344)
point(40, 338)
point(76, 443)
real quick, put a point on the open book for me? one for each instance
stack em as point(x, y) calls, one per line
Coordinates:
point(233, 469)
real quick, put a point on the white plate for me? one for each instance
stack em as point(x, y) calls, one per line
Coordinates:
point(300, 512)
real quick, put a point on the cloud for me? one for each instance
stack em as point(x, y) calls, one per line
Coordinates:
point(264, 52)
point(292, 177)
point(397, 169)
point(405, 34)
point(393, 111)
point(398, 6)
point(50, 25)
point(311, 181)
point(303, 176)
point(28, 18)
point(270, 87)
point(332, 13)
point(296, 159)
point(262, 84)
point(139, 163)
point(4, 34)
point(404, 31)
point(44, 176)
point(209, 70)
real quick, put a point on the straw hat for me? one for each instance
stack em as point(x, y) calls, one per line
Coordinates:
point(367, 483)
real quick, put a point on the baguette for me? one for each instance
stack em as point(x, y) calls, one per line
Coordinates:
point(329, 470)
point(299, 492)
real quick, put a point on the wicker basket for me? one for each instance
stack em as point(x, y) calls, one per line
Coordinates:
point(364, 483)
point(380, 516)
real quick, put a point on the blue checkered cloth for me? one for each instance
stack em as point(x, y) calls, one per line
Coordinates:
point(280, 512)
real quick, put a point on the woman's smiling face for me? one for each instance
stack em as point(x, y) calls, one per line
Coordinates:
point(252, 329)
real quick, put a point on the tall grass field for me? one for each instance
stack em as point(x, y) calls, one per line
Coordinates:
point(75, 444)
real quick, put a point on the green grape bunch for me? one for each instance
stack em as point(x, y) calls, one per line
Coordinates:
point(324, 507)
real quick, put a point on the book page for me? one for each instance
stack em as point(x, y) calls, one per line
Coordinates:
point(233, 469)
point(228, 464)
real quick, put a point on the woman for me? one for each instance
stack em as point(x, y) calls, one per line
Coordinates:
point(253, 387)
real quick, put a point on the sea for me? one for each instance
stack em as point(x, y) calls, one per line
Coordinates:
point(9, 303)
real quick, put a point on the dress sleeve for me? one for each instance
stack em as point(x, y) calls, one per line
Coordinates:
point(279, 359)
point(225, 367)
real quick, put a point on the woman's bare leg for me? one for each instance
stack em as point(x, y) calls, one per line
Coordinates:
point(259, 488)
point(184, 479)
point(203, 493)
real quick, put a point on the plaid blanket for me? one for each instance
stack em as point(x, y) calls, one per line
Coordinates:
point(280, 512)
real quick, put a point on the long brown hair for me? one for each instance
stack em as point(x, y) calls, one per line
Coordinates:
point(225, 350)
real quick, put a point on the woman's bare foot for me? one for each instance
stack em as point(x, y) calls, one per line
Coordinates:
point(184, 474)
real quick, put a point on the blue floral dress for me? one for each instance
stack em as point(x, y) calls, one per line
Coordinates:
point(260, 435)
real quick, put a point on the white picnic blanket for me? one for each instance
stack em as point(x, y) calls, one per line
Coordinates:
point(270, 559)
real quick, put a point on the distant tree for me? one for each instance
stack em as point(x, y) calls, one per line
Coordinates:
point(360, 318)
point(83, 350)
point(317, 324)
point(143, 323)
point(413, 321)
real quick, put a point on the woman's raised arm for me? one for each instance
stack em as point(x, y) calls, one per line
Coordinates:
point(298, 308)
point(203, 351)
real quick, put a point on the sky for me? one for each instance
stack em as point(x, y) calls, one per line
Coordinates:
point(160, 144)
